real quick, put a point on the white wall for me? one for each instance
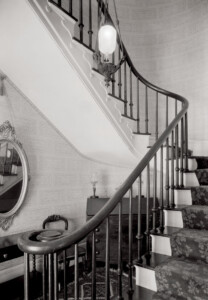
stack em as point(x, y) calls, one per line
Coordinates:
point(168, 42)
point(60, 176)
point(33, 60)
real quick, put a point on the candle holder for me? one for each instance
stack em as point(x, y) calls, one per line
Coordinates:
point(94, 181)
point(94, 189)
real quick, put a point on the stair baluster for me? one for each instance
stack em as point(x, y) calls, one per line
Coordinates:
point(113, 76)
point(181, 156)
point(138, 108)
point(44, 280)
point(93, 267)
point(71, 7)
point(172, 171)
point(125, 90)
point(107, 262)
point(55, 279)
point(146, 110)
point(81, 25)
point(90, 32)
point(76, 273)
point(26, 277)
point(177, 157)
point(167, 184)
point(186, 142)
point(139, 229)
point(156, 118)
point(120, 251)
point(154, 209)
point(119, 74)
point(130, 265)
point(131, 99)
point(50, 276)
point(161, 208)
point(147, 232)
point(65, 275)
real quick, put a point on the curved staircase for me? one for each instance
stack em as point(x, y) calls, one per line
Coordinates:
point(174, 266)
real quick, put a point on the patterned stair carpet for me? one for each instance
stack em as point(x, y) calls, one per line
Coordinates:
point(185, 274)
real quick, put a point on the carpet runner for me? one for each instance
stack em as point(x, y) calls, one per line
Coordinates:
point(185, 274)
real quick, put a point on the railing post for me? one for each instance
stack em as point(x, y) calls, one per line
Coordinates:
point(50, 276)
point(76, 273)
point(182, 157)
point(177, 157)
point(70, 7)
point(156, 118)
point(131, 99)
point(107, 263)
point(154, 209)
point(113, 76)
point(130, 265)
point(120, 251)
point(44, 280)
point(125, 90)
point(119, 73)
point(55, 264)
point(90, 31)
point(172, 171)
point(139, 229)
point(138, 108)
point(146, 110)
point(26, 276)
point(81, 25)
point(186, 142)
point(147, 232)
point(93, 267)
point(167, 186)
point(65, 282)
point(161, 208)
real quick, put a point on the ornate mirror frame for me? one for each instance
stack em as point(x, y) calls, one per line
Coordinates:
point(7, 134)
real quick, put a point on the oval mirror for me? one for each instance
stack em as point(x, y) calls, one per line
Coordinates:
point(14, 175)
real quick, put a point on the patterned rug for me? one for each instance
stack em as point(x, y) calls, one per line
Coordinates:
point(184, 276)
point(85, 286)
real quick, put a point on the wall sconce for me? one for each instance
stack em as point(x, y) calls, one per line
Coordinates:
point(106, 45)
point(94, 181)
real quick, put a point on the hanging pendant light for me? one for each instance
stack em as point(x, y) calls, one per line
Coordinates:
point(108, 37)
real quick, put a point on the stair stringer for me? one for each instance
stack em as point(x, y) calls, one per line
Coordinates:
point(61, 28)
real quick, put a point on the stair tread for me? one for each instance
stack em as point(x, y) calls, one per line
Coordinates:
point(168, 230)
point(185, 267)
point(192, 233)
point(154, 260)
point(178, 207)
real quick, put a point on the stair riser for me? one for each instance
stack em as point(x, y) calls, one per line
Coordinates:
point(173, 218)
point(161, 245)
point(146, 278)
point(183, 197)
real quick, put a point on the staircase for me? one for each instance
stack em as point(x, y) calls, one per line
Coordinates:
point(167, 173)
point(177, 267)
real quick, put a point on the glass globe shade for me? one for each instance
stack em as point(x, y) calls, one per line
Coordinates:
point(107, 39)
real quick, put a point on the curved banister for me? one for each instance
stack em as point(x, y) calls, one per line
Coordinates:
point(30, 246)
point(174, 137)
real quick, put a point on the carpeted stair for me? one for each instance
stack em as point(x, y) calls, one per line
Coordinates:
point(185, 274)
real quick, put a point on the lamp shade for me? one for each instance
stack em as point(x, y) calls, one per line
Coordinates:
point(107, 39)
